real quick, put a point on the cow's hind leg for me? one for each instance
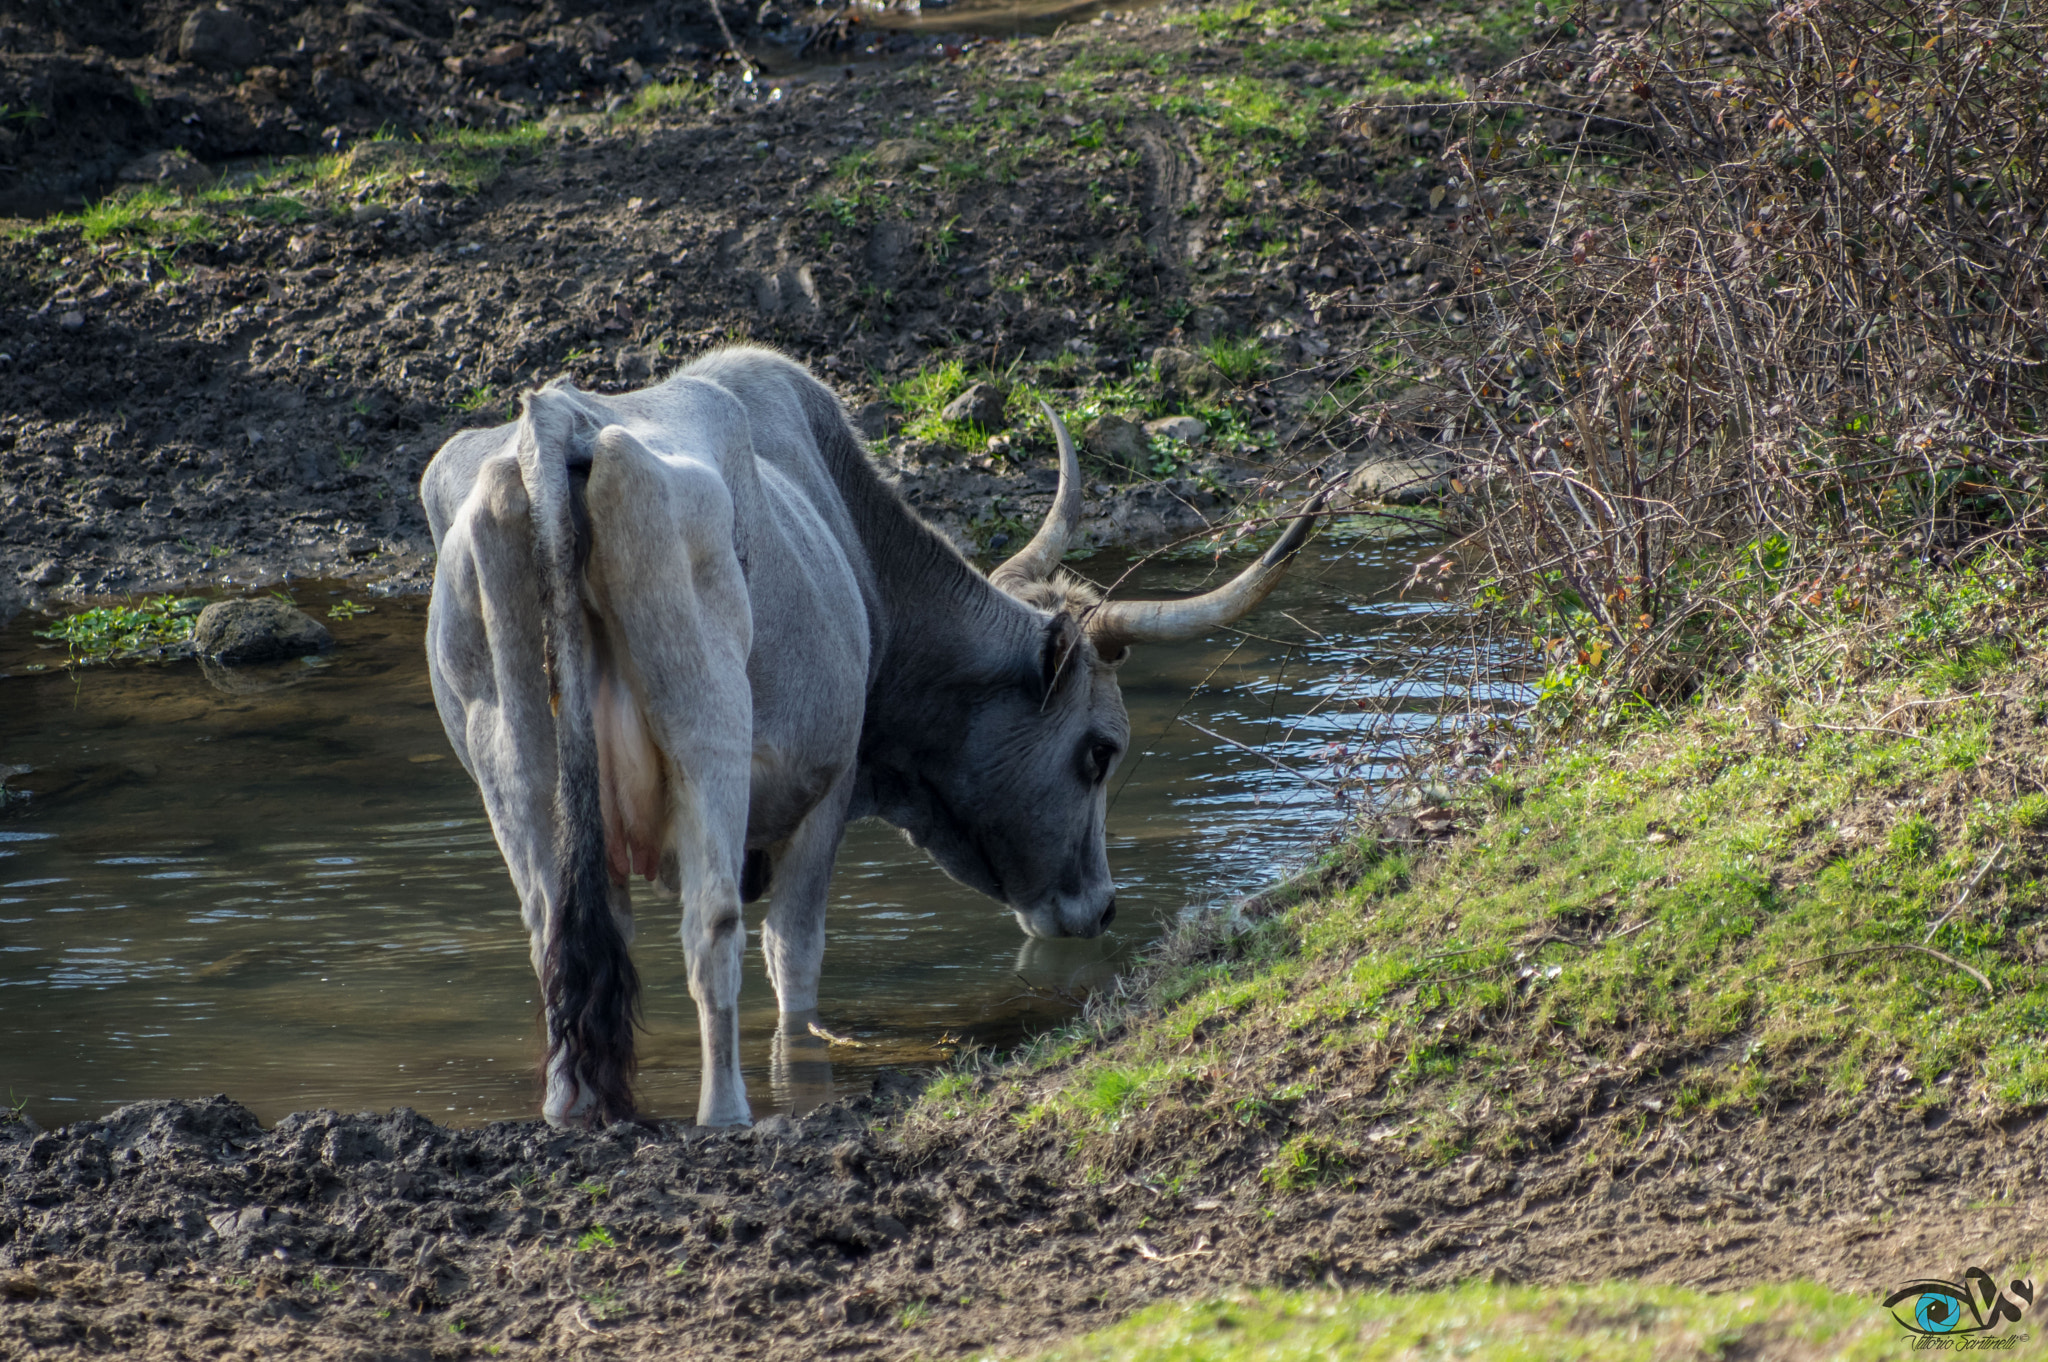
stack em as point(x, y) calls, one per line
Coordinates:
point(484, 640)
point(667, 576)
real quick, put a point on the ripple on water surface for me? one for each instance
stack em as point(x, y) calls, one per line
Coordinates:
point(290, 894)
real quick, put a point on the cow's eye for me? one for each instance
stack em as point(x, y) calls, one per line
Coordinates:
point(1101, 756)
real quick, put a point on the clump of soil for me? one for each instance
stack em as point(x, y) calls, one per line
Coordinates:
point(175, 1228)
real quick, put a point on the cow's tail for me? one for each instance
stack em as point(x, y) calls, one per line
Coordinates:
point(590, 989)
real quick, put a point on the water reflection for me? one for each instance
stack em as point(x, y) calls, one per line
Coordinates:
point(289, 893)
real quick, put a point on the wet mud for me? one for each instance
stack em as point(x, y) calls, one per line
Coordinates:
point(183, 1229)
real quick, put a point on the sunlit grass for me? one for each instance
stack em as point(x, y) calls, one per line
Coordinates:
point(1613, 1320)
point(294, 189)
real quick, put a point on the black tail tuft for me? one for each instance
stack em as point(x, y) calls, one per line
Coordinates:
point(591, 991)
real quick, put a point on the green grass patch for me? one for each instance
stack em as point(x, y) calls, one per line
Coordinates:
point(110, 632)
point(653, 100)
point(1734, 915)
point(380, 170)
point(1613, 1320)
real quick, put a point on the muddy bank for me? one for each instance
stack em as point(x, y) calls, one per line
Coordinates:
point(242, 377)
point(174, 1228)
point(126, 91)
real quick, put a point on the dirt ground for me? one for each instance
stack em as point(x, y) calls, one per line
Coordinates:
point(182, 1229)
point(254, 390)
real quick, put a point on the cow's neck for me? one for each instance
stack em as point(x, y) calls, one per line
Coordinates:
point(932, 601)
point(942, 633)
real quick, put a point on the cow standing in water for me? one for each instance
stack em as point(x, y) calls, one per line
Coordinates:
point(688, 633)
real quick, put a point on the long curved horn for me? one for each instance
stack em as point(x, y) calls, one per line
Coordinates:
point(1117, 623)
point(1036, 560)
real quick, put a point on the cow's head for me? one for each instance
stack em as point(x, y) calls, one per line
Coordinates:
point(1016, 762)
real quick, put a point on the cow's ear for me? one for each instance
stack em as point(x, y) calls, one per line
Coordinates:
point(1059, 656)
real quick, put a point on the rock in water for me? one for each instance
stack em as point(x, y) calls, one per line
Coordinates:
point(259, 630)
point(981, 405)
point(219, 40)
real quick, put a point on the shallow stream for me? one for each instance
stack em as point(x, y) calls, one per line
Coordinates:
point(290, 895)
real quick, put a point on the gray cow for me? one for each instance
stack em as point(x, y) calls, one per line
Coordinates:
point(688, 633)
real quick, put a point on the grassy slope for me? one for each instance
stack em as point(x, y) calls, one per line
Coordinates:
point(1711, 916)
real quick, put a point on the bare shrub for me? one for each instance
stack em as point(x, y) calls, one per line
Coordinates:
point(1738, 310)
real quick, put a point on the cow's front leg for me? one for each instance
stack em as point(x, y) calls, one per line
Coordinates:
point(800, 1066)
point(710, 827)
point(793, 933)
point(793, 940)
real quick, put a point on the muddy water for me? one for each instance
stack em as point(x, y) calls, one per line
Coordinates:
point(289, 893)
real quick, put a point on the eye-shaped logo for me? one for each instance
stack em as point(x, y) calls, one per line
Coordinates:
point(1972, 1306)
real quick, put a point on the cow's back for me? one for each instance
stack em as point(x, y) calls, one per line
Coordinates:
point(746, 418)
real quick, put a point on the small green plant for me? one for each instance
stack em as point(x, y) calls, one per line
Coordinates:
point(926, 393)
point(1303, 1162)
point(348, 610)
point(320, 1282)
point(2029, 812)
point(912, 1315)
point(1914, 838)
point(658, 98)
point(1242, 361)
point(596, 1239)
point(604, 1303)
point(1113, 1091)
point(116, 631)
point(476, 399)
point(594, 1189)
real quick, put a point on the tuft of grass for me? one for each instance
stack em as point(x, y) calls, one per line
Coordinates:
point(653, 100)
point(605, 1303)
point(596, 1239)
point(1241, 360)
